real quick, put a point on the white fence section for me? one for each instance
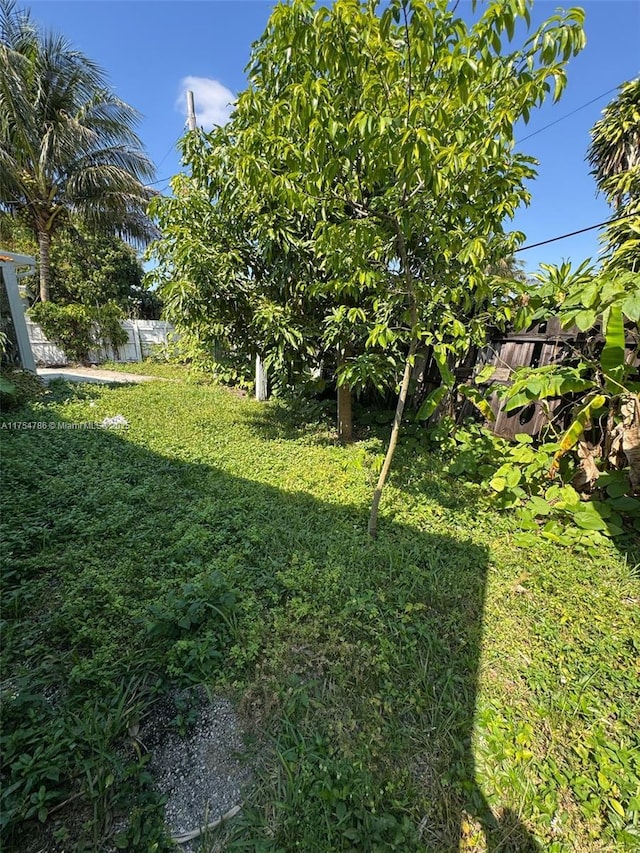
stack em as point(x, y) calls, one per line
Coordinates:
point(142, 336)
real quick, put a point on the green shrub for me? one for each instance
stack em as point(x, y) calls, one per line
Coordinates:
point(18, 387)
point(76, 328)
point(207, 357)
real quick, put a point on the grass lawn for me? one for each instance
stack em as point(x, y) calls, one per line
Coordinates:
point(438, 689)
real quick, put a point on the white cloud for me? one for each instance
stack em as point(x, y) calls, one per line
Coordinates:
point(213, 101)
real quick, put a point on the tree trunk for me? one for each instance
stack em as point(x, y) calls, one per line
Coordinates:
point(44, 243)
point(345, 420)
point(406, 379)
point(395, 431)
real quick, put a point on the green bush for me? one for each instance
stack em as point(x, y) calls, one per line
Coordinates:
point(76, 328)
point(208, 357)
point(18, 387)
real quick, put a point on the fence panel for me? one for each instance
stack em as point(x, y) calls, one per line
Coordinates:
point(152, 333)
point(44, 352)
point(543, 344)
point(142, 336)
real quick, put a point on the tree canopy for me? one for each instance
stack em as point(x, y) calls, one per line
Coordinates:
point(370, 170)
point(69, 152)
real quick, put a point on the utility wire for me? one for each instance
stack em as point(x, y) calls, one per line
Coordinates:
point(573, 233)
point(170, 149)
point(566, 115)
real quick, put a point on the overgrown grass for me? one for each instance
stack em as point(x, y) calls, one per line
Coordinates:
point(438, 689)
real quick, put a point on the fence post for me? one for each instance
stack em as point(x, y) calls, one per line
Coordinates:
point(136, 340)
point(261, 381)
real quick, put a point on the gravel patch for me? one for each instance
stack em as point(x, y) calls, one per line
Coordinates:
point(201, 771)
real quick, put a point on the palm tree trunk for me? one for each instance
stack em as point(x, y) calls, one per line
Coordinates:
point(44, 244)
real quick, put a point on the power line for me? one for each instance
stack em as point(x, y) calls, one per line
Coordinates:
point(573, 233)
point(562, 118)
point(169, 150)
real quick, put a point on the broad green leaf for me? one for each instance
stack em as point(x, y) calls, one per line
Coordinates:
point(612, 358)
point(589, 521)
point(626, 504)
point(498, 484)
point(539, 506)
point(573, 434)
point(617, 488)
point(431, 403)
point(525, 540)
point(516, 402)
point(485, 374)
point(584, 320)
point(479, 401)
point(445, 371)
point(589, 294)
point(631, 306)
point(513, 477)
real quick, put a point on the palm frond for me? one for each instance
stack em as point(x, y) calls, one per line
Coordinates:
point(66, 141)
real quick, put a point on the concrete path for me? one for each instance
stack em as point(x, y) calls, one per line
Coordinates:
point(89, 374)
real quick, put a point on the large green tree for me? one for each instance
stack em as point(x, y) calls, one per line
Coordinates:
point(95, 270)
point(614, 155)
point(381, 141)
point(69, 152)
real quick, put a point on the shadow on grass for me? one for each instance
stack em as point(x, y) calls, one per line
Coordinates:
point(360, 658)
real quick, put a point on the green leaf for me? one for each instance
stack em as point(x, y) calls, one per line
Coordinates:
point(431, 403)
point(612, 358)
point(584, 320)
point(539, 506)
point(525, 540)
point(589, 521)
point(485, 374)
point(590, 293)
point(516, 402)
point(513, 476)
point(616, 487)
point(631, 306)
point(445, 371)
point(625, 504)
point(479, 401)
point(616, 806)
point(572, 435)
point(523, 438)
point(498, 484)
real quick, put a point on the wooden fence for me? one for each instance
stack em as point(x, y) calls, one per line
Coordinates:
point(545, 343)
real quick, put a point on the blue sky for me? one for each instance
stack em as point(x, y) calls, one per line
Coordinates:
point(153, 49)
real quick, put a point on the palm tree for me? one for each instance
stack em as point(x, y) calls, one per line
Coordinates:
point(614, 155)
point(615, 141)
point(69, 152)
